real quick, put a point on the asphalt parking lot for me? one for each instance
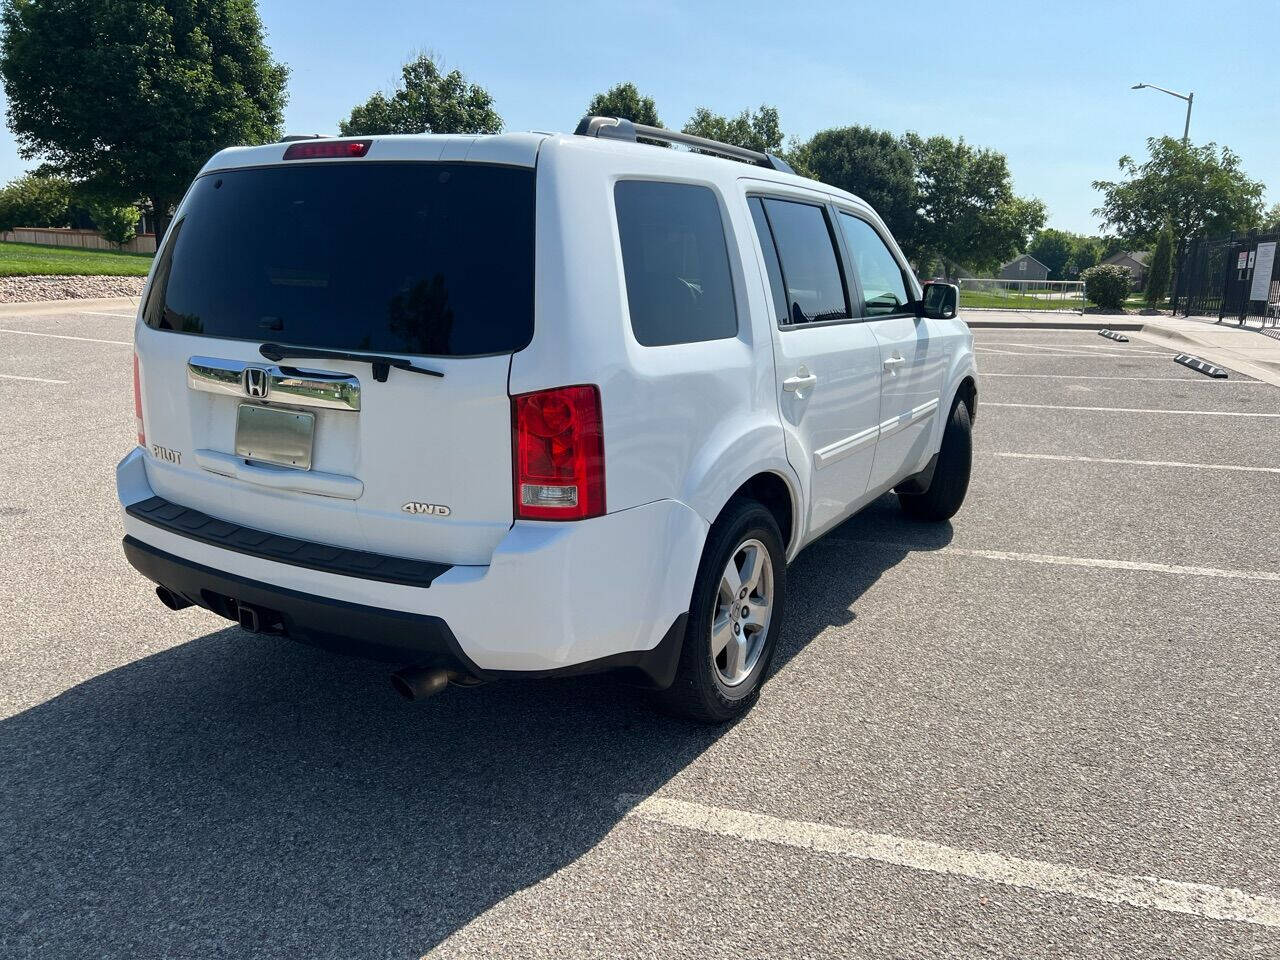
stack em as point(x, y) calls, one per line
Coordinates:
point(1047, 729)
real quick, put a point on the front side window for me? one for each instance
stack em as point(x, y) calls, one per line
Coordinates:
point(676, 262)
point(810, 267)
point(884, 290)
point(415, 258)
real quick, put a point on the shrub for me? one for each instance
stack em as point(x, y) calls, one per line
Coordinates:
point(1106, 285)
point(1161, 269)
point(117, 224)
point(35, 201)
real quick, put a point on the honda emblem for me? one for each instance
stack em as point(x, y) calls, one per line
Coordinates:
point(255, 382)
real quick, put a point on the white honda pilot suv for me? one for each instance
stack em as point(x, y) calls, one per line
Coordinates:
point(529, 404)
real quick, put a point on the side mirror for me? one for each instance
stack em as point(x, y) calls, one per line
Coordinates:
point(941, 301)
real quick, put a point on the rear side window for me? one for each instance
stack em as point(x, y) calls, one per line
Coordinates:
point(676, 261)
point(810, 266)
point(884, 291)
point(410, 258)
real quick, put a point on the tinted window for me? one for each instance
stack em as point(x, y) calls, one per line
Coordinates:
point(776, 285)
point(679, 289)
point(884, 290)
point(815, 287)
point(391, 258)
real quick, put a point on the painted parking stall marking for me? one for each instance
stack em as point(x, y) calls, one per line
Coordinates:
point(1148, 893)
point(1061, 458)
point(14, 376)
point(1180, 413)
point(1096, 376)
point(63, 336)
point(1136, 566)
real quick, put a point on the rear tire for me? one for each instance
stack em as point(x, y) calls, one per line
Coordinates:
point(735, 615)
point(950, 475)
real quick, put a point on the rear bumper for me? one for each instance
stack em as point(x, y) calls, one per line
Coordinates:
point(556, 598)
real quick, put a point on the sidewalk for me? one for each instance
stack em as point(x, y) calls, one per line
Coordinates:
point(1243, 350)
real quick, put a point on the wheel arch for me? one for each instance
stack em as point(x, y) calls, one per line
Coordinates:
point(776, 493)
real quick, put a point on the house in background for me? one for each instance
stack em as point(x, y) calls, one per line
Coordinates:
point(1025, 267)
point(1136, 262)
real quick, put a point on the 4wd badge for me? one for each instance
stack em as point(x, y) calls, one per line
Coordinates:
point(432, 509)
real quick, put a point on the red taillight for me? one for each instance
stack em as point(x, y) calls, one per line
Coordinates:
point(558, 447)
point(137, 403)
point(326, 149)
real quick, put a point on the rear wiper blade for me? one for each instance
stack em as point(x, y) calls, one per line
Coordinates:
point(381, 365)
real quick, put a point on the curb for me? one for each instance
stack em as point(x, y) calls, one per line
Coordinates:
point(1020, 324)
point(71, 305)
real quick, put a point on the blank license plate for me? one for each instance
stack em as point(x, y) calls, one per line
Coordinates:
point(282, 437)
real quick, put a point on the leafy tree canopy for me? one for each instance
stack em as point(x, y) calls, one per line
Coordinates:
point(36, 200)
point(1197, 190)
point(1066, 254)
point(1161, 270)
point(755, 131)
point(1271, 219)
point(426, 101)
point(968, 212)
point(625, 101)
point(874, 165)
point(132, 96)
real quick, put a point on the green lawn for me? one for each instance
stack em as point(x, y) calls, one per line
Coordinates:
point(983, 299)
point(29, 259)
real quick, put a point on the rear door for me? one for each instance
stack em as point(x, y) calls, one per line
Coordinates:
point(912, 357)
point(337, 264)
point(827, 364)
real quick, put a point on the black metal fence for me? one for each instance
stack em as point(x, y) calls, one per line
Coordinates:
point(1219, 277)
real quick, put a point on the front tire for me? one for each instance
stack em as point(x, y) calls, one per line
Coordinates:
point(950, 475)
point(734, 617)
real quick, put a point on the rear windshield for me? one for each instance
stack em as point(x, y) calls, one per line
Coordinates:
point(390, 258)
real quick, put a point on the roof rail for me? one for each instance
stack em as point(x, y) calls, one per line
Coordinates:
point(616, 128)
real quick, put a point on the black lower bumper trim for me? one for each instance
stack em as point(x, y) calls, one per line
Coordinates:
point(194, 525)
point(390, 635)
point(393, 636)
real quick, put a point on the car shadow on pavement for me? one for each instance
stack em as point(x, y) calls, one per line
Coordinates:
point(239, 796)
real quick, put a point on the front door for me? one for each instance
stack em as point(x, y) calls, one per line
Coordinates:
point(828, 366)
point(912, 362)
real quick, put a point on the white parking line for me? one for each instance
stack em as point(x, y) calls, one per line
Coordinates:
point(1094, 376)
point(99, 313)
point(1185, 413)
point(1135, 463)
point(1148, 893)
point(979, 348)
point(14, 376)
point(1070, 346)
point(63, 336)
point(1096, 562)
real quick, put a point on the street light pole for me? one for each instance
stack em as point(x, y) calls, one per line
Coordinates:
point(1189, 97)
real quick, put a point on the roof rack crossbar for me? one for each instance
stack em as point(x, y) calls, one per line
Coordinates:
point(617, 128)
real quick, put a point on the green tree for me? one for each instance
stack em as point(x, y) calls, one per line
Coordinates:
point(1055, 249)
point(1196, 190)
point(1271, 219)
point(755, 131)
point(625, 101)
point(118, 223)
point(132, 96)
point(36, 200)
point(426, 101)
point(1161, 269)
point(872, 164)
point(968, 211)
point(1085, 253)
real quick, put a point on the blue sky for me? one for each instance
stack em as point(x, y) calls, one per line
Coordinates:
point(1049, 87)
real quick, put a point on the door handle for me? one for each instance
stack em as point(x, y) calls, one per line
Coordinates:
point(891, 364)
point(792, 384)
